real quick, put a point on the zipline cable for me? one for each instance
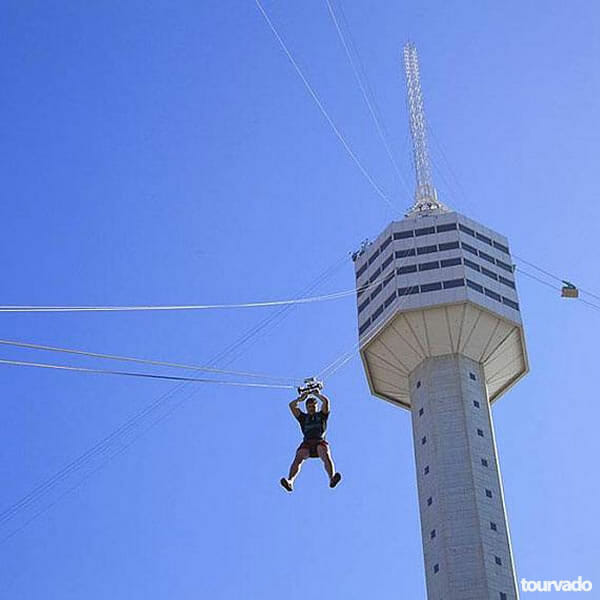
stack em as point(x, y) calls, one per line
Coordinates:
point(168, 307)
point(24, 363)
point(324, 112)
point(145, 361)
point(363, 88)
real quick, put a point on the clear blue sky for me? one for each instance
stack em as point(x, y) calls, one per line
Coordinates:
point(166, 152)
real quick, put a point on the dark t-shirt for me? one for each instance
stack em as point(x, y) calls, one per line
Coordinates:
point(313, 426)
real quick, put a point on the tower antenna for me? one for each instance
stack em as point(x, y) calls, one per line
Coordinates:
point(426, 200)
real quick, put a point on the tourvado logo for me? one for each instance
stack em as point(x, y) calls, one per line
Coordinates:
point(563, 585)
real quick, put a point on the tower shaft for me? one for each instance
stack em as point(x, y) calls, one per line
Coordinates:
point(466, 543)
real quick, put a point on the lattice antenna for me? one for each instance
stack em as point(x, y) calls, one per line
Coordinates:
point(426, 200)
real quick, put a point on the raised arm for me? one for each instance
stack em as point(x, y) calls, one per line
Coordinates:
point(324, 402)
point(294, 404)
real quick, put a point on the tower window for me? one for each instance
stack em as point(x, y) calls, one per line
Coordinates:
point(424, 231)
point(472, 376)
point(484, 462)
point(503, 596)
point(448, 246)
point(404, 253)
point(423, 440)
point(493, 526)
point(436, 568)
point(488, 493)
point(466, 229)
point(446, 227)
point(429, 501)
point(431, 287)
point(498, 560)
point(401, 235)
point(469, 248)
point(432, 534)
point(426, 470)
point(450, 262)
point(418, 384)
point(476, 403)
point(421, 411)
point(427, 249)
point(480, 432)
point(407, 269)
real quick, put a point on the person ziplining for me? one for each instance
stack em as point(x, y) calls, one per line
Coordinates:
point(313, 424)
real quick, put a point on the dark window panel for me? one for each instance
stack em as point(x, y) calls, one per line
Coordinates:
point(407, 269)
point(363, 305)
point(373, 257)
point(487, 257)
point(474, 286)
point(376, 291)
point(424, 231)
point(504, 266)
point(501, 247)
point(428, 266)
point(453, 283)
point(492, 294)
point(402, 235)
point(388, 278)
point(405, 291)
point(489, 273)
point(483, 238)
point(431, 287)
point(361, 270)
point(405, 253)
point(364, 327)
point(448, 246)
point(469, 248)
point(451, 262)
point(426, 249)
point(446, 227)
point(385, 244)
point(510, 303)
point(471, 265)
point(387, 262)
point(466, 230)
point(376, 314)
point(375, 275)
point(390, 299)
point(507, 282)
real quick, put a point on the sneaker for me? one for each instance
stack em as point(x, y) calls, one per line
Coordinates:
point(286, 484)
point(335, 480)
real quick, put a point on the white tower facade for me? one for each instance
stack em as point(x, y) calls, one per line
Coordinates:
point(441, 335)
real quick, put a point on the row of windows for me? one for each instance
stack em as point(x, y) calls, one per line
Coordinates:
point(427, 266)
point(421, 250)
point(427, 287)
point(508, 268)
point(412, 233)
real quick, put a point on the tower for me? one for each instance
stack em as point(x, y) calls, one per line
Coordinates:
point(441, 335)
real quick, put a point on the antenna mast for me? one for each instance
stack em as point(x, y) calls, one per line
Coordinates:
point(426, 200)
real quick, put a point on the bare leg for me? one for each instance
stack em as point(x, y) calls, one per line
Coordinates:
point(300, 457)
point(325, 456)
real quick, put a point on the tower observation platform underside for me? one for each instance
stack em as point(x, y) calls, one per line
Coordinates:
point(438, 285)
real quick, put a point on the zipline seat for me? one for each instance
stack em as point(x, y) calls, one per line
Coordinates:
point(569, 290)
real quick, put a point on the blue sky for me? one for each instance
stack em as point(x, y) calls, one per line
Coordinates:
point(168, 153)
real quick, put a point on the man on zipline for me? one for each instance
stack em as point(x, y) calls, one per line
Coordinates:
point(313, 425)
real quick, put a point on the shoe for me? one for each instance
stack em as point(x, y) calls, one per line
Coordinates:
point(286, 484)
point(335, 480)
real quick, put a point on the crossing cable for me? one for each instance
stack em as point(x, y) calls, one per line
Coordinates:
point(160, 363)
point(23, 363)
point(363, 88)
point(105, 448)
point(324, 112)
point(170, 307)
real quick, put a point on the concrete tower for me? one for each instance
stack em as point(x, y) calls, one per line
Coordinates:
point(441, 335)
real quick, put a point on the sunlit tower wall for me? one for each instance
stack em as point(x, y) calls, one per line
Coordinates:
point(441, 335)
